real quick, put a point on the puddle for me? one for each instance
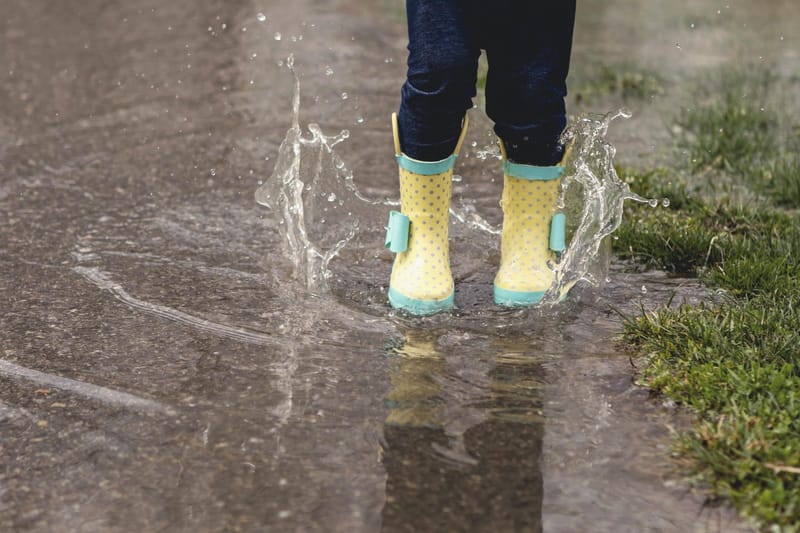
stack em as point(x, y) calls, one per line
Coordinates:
point(166, 367)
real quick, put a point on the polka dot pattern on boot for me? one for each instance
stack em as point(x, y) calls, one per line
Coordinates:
point(422, 272)
point(528, 207)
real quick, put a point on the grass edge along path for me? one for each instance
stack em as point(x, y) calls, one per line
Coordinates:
point(736, 362)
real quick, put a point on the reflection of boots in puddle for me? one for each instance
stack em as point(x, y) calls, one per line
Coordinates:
point(496, 485)
point(414, 400)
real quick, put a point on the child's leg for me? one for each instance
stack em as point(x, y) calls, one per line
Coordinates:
point(442, 66)
point(528, 47)
point(442, 70)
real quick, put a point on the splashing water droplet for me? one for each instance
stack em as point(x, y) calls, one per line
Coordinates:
point(665, 202)
point(277, 36)
point(328, 70)
point(457, 178)
point(592, 193)
point(306, 166)
point(644, 289)
point(345, 96)
point(213, 172)
point(360, 120)
point(261, 17)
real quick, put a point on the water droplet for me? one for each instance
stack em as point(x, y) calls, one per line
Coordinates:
point(644, 289)
point(213, 172)
point(332, 197)
point(224, 26)
point(360, 120)
point(345, 96)
point(328, 70)
point(457, 178)
point(278, 36)
point(678, 46)
point(665, 202)
point(652, 202)
point(261, 17)
point(692, 25)
point(254, 55)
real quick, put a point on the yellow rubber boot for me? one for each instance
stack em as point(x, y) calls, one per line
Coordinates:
point(532, 231)
point(421, 281)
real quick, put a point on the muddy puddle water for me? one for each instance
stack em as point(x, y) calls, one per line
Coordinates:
point(166, 366)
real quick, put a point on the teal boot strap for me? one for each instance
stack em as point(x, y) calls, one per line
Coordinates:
point(397, 232)
point(531, 172)
point(426, 168)
point(558, 232)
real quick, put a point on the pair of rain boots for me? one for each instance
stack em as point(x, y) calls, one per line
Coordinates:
point(421, 281)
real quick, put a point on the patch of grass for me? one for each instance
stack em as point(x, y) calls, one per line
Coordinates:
point(783, 180)
point(628, 82)
point(731, 123)
point(736, 363)
point(659, 183)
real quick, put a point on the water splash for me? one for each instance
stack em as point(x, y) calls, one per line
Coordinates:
point(592, 195)
point(312, 193)
point(319, 209)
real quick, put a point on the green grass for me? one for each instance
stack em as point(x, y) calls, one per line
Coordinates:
point(626, 82)
point(782, 181)
point(730, 124)
point(736, 362)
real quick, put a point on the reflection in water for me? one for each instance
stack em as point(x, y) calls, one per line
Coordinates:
point(463, 438)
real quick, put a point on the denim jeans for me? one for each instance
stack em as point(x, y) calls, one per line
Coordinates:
point(528, 45)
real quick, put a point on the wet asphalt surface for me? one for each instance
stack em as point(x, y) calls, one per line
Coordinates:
point(160, 372)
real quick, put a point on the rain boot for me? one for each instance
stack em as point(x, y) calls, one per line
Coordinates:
point(421, 281)
point(533, 230)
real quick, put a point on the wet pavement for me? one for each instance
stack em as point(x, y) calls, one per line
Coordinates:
point(161, 371)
